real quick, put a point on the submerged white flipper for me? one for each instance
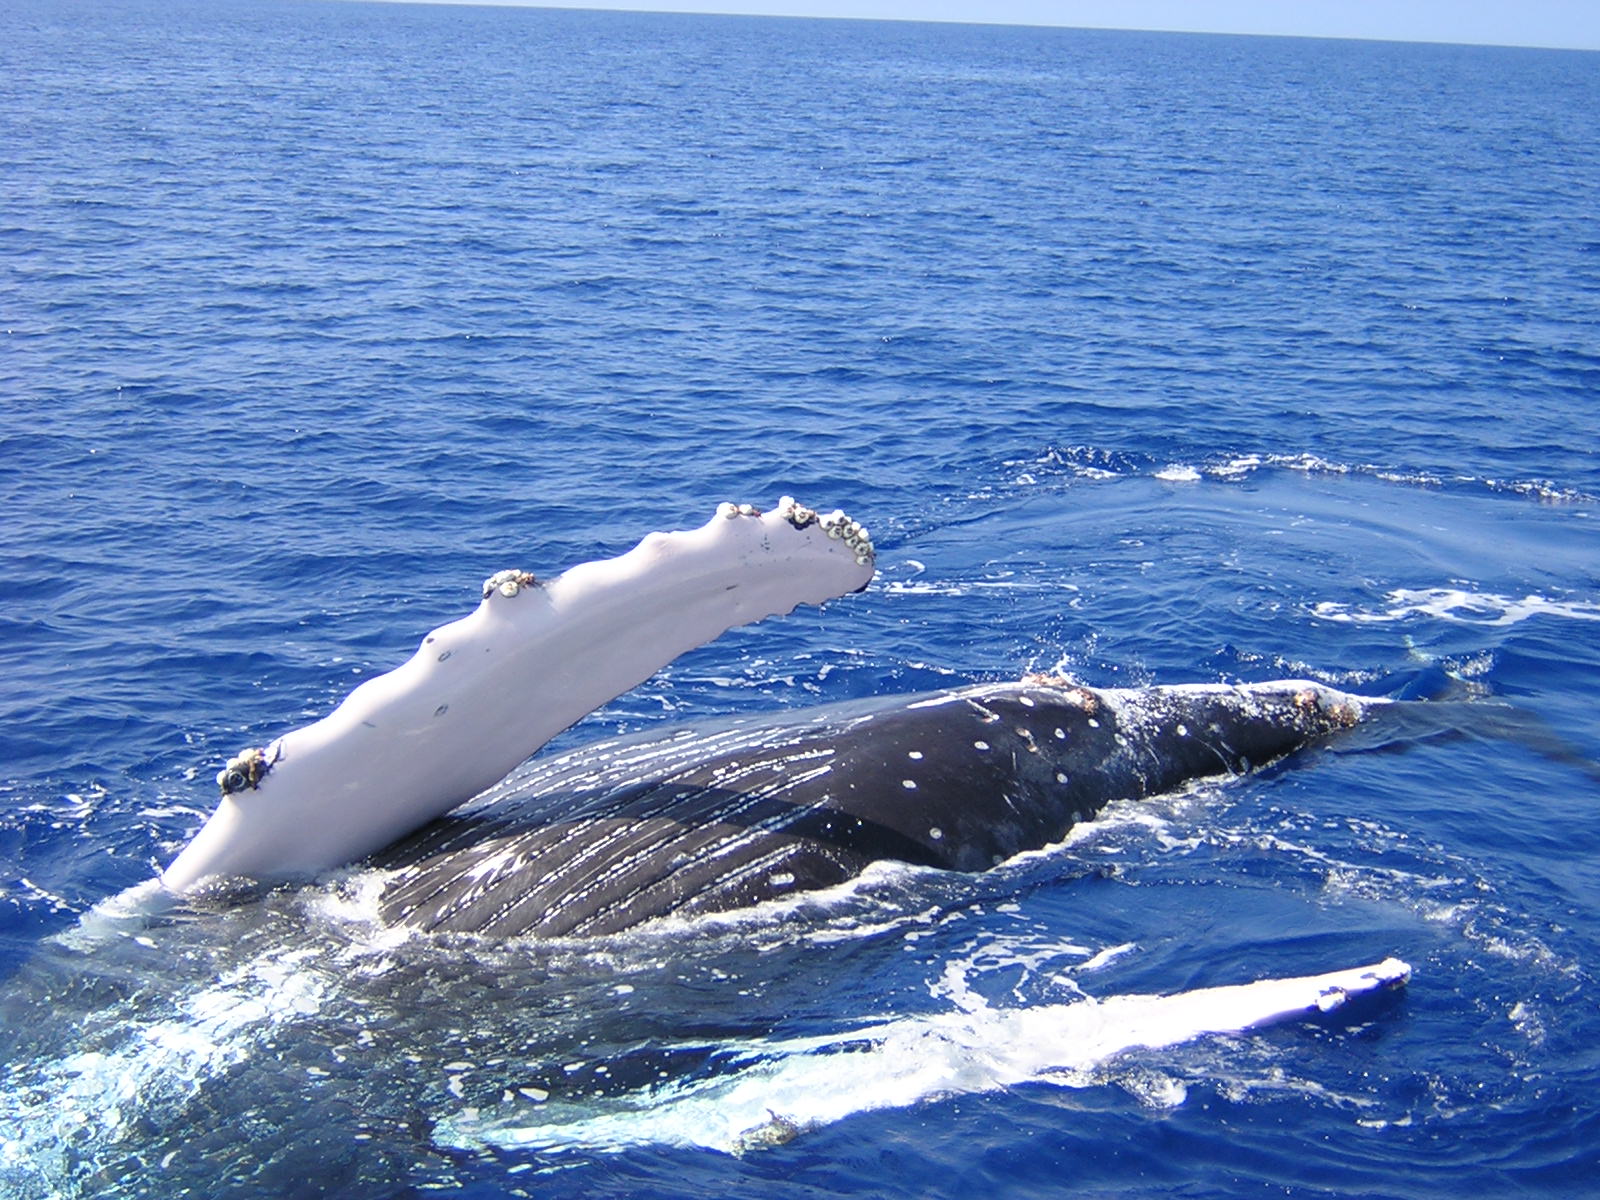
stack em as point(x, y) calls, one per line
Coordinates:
point(775, 1091)
point(484, 692)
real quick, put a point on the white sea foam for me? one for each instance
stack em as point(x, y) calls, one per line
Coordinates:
point(968, 587)
point(97, 1097)
point(1236, 468)
point(1244, 465)
point(1178, 473)
point(1460, 605)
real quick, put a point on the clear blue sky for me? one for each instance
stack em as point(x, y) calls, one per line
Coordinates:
point(1569, 23)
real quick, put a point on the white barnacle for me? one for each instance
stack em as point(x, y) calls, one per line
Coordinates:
point(914, 754)
point(980, 745)
point(909, 784)
point(244, 770)
point(795, 513)
point(1060, 732)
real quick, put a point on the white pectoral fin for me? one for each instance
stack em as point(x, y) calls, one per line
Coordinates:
point(484, 692)
point(1156, 1021)
point(773, 1091)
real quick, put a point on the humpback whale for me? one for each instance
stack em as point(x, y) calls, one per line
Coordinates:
point(616, 834)
point(699, 820)
point(696, 820)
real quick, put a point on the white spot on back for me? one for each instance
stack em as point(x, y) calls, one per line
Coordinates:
point(980, 745)
point(913, 753)
point(908, 783)
point(1025, 701)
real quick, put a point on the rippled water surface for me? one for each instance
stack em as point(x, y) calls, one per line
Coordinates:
point(1147, 358)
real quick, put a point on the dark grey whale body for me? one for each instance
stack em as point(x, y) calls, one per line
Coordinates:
point(698, 820)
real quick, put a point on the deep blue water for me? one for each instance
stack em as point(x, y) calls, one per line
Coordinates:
point(1145, 357)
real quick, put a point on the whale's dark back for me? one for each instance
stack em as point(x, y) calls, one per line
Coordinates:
point(709, 819)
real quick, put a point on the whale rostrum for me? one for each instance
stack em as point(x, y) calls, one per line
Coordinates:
point(484, 692)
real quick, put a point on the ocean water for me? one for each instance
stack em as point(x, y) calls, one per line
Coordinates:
point(1146, 358)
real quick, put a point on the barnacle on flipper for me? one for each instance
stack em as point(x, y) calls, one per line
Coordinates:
point(796, 514)
point(836, 524)
point(244, 770)
point(508, 583)
point(854, 535)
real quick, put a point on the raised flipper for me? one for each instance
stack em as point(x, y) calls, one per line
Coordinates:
point(484, 692)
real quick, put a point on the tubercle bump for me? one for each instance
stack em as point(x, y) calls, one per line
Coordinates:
point(837, 524)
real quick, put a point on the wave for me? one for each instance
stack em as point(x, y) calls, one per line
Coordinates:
point(1459, 605)
point(1095, 463)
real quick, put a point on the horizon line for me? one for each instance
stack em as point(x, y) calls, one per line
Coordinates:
point(700, 8)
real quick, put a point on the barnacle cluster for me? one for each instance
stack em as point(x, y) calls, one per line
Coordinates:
point(244, 770)
point(853, 534)
point(1340, 713)
point(836, 524)
point(508, 583)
